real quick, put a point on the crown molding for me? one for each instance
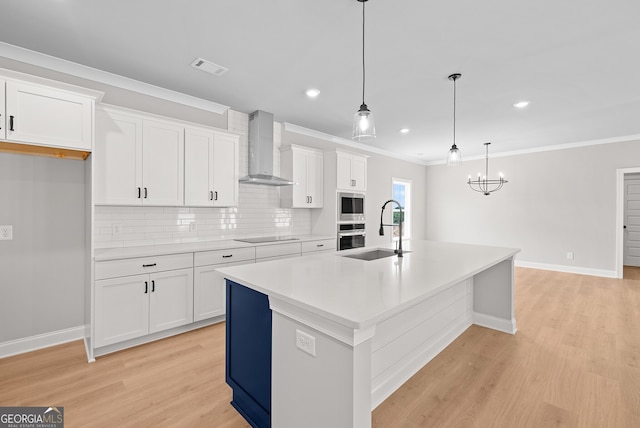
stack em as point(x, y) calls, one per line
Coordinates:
point(17, 53)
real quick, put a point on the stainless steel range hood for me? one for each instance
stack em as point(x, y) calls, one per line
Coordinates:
point(261, 151)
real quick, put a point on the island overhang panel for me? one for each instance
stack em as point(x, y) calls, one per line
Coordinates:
point(373, 323)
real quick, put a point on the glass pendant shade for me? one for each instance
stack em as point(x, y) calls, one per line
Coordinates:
point(454, 158)
point(364, 126)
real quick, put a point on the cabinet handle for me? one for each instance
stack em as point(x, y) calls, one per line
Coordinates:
point(146, 287)
point(139, 192)
point(146, 193)
point(320, 245)
point(310, 199)
point(153, 286)
point(227, 256)
point(0, 122)
point(211, 195)
point(150, 265)
point(10, 123)
point(215, 198)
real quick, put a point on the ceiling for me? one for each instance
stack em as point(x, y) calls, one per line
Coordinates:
point(575, 61)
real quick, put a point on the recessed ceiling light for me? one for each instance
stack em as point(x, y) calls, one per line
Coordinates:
point(405, 130)
point(521, 104)
point(209, 67)
point(312, 93)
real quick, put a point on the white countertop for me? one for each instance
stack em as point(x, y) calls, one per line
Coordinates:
point(189, 247)
point(358, 293)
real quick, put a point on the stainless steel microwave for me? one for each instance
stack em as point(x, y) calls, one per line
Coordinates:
point(351, 207)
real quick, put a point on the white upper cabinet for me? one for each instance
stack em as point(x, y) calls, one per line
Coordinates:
point(352, 171)
point(162, 163)
point(211, 168)
point(138, 160)
point(305, 168)
point(39, 115)
point(118, 159)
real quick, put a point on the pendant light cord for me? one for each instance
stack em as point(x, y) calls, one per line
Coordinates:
point(363, 72)
point(454, 112)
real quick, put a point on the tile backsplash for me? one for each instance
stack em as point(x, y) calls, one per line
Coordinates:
point(258, 212)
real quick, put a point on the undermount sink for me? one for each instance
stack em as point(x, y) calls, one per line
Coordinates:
point(373, 254)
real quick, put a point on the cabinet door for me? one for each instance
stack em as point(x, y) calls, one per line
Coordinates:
point(2, 115)
point(171, 299)
point(208, 292)
point(48, 117)
point(315, 177)
point(121, 309)
point(198, 157)
point(118, 159)
point(344, 172)
point(359, 173)
point(225, 171)
point(162, 163)
point(300, 195)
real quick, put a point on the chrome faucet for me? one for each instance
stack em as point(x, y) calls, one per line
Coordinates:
point(398, 251)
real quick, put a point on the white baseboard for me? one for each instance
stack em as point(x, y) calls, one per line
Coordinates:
point(32, 343)
point(568, 269)
point(495, 323)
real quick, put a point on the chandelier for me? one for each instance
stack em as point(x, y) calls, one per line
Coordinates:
point(482, 184)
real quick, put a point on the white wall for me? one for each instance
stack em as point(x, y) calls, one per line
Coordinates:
point(380, 172)
point(555, 202)
point(42, 269)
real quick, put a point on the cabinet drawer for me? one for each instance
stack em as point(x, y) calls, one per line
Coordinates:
point(277, 250)
point(215, 257)
point(322, 245)
point(139, 265)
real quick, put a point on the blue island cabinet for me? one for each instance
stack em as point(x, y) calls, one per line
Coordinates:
point(248, 353)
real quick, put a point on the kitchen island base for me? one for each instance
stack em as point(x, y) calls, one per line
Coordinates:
point(349, 369)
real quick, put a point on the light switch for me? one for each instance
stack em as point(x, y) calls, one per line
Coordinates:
point(6, 232)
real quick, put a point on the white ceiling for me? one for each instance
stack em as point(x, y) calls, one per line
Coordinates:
point(576, 61)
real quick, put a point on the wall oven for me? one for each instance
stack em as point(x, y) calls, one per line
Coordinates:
point(351, 235)
point(350, 207)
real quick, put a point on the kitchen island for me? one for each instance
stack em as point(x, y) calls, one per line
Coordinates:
point(345, 333)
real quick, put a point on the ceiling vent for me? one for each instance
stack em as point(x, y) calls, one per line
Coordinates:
point(209, 67)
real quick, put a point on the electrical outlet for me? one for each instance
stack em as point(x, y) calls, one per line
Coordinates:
point(570, 255)
point(306, 343)
point(116, 229)
point(6, 232)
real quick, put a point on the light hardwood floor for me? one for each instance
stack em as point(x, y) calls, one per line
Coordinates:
point(575, 362)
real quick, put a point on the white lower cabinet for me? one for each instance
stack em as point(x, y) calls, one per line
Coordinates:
point(130, 306)
point(209, 288)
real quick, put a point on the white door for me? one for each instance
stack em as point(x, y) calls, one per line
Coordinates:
point(632, 221)
point(121, 309)
point(162, 163)
point(171, 299)
point(225, 171)
point(198, 188)
point(208, 292)
point(315, 176)
point(118, 159)
point(48, 117)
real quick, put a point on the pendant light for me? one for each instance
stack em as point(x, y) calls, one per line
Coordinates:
point(454, 158)
point(364, 126)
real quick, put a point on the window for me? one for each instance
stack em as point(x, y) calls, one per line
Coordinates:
point(401, 192)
